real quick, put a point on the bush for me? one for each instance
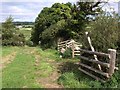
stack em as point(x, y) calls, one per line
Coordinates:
point(67, 53)
point(10, 36)
point(69, 80)
point(104, 32)
point(29, 43)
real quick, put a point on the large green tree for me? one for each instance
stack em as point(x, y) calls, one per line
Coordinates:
point(62, 20)
point(48, 18)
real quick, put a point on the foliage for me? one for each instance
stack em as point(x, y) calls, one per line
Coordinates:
point(61, 20)
point(29, 43)
point(49, 21)
point(26, 32)
point(10, 36)
point(69, 80)
point(104, 32)
point(71, 77)
point(118, 43)
point(67, 53)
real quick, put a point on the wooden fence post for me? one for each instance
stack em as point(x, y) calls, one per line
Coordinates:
point(112, 56)
point(66, 45)
point(73, 49)
point(58, 45)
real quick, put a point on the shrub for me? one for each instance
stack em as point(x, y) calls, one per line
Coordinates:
point(10, 36)
point(67, 53)
point(29, 43)
point(69, 80)
point(104, 32)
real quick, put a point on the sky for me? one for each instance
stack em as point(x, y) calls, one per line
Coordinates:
point(27, 10)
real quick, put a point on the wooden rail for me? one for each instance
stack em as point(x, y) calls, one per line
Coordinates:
point(96, 53)
point(111, 65)
point(70, 43)
point(93, 76)
point(64, 41)
point(95, 70)
point(63, 44)
point(94, 61)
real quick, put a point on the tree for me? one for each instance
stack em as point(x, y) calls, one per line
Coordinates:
point(104, 32)
point(49, 17)
point(9, 34)
point(61, 19)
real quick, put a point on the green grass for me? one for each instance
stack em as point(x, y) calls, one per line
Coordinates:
point(72, 80)
point(69, 80)
point(71, 77)
point(48, 53)
point(26, 32)
point(45, 69)
point(7, 50)
point(21, 72)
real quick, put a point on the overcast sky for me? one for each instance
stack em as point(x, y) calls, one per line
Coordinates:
point(24, 10)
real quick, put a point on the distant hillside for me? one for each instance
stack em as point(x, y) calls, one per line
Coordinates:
point(23, 23)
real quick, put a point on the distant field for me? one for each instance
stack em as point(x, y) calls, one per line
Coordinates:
point(26, 32)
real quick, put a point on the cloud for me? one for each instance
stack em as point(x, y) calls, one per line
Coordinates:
point(23, 10)
point(60, 1)
point(119, 8)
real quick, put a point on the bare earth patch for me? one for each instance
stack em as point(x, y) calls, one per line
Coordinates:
point(51, 80)
point(8, 59)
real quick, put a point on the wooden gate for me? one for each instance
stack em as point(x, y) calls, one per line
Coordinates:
point(89, 69)
point(110, 66)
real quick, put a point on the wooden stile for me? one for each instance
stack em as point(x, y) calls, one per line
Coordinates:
point(64, 41)
point(75, 52)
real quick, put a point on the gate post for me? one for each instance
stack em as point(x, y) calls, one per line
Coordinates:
point(112, 56)
point(73, 49)
point(58, 47)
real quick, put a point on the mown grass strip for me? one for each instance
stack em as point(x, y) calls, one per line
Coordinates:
point(20, 73)
point(7, 50)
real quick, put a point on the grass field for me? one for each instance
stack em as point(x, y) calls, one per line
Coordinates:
point(33, 67)
point(26, 32)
